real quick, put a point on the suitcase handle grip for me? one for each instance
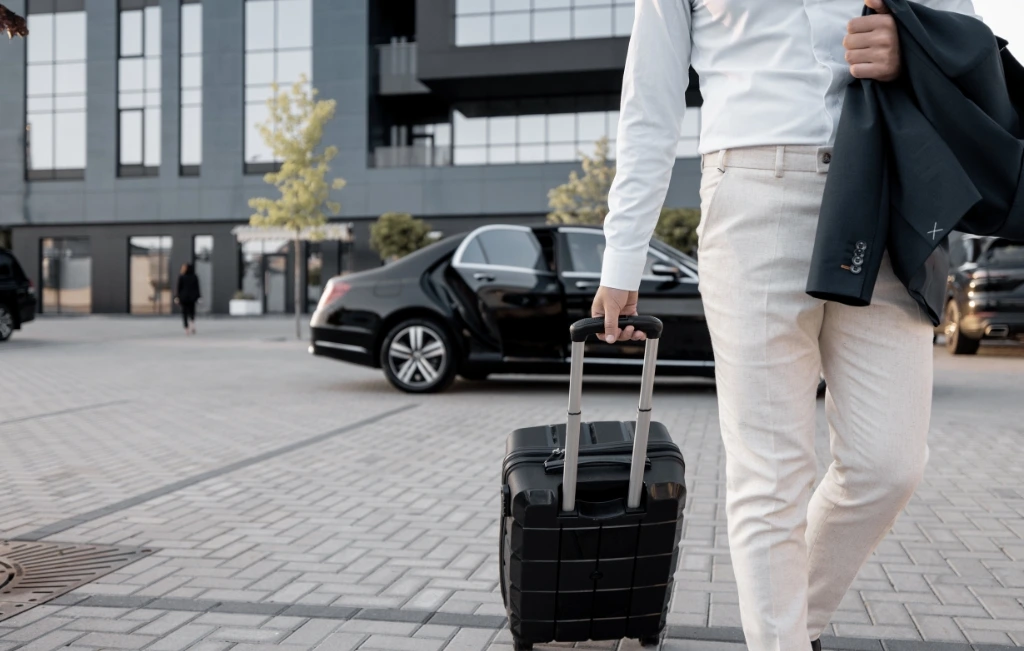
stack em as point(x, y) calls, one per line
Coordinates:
point(580, 330)
point(649, 325)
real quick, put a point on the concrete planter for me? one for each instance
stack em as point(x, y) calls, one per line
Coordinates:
point(244, 307)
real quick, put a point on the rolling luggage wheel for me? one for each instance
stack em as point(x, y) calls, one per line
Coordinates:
point(650, 640)
point(519, 645)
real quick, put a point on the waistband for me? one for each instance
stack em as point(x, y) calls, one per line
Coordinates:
point(784, 158)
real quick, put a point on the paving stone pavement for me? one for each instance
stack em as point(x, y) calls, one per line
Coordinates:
point(272, 483)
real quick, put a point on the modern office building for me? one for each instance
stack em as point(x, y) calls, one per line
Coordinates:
point(128, 143)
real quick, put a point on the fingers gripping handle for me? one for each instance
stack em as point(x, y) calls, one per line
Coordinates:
point(650, 326)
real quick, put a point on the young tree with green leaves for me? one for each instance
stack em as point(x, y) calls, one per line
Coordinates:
point(397, 234)
point(584, 199)
point(293, 131)
point(677, 227)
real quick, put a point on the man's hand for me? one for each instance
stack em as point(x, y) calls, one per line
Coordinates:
point(873, 45)
point(611, 304)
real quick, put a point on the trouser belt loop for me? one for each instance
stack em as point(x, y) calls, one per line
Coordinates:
point(721, 160)
point(780, 159)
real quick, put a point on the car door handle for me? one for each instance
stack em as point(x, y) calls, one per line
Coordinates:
point(485, 278)
point(587, 284)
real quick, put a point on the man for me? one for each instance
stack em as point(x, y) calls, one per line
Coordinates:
point(773, 76)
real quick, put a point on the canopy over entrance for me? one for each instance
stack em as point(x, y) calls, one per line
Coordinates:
point(329, 232)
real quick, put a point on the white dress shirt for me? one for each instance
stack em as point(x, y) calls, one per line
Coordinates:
point(772, 72)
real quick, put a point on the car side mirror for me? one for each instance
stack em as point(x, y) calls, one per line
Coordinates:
point(661, 269)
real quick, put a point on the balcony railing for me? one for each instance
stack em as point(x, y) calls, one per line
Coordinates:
point(410, 156)
point(397, 66)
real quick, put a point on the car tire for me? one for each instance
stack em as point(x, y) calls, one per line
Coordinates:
point(956, 342)
point(418, 357)
point(6, 323)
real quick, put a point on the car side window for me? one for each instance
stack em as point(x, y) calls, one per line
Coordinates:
point(6, 267)
point(506, 248)
point(586, 250)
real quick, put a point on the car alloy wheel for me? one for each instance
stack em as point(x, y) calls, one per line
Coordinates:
point(417, 357)
point(6, 323)
point(956, 342)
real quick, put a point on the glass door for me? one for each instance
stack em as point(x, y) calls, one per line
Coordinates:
point(202, 262)
point(275, 282)
point(66, 275)
point(149, 274)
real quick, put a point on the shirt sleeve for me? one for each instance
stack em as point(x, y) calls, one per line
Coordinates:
point(653, 102)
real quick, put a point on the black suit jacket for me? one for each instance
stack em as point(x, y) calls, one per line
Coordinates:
point(188, 288)
point(937, 150)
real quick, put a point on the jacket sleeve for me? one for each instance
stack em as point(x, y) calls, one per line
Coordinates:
point(177, 292)
point(653, 102)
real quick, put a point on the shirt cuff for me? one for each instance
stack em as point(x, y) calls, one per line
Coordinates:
point(623, 269)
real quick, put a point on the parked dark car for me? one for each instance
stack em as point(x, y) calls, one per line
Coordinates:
point(985, 293)
point(500, 300)
point(17, 296)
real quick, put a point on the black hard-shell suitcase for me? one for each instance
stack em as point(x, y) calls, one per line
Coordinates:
point(589, 549)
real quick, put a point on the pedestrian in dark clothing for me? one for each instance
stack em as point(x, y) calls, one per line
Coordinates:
point(187, 296)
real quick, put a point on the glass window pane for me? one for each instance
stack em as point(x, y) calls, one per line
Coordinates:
point(531, 154)
point(592, 3)
point(191, 135)
point(561, 153)
point(69, 102)
point(40, 46)
point(152, 138)
point(294, 24)
point(470, 131)
point(691, 123)
point(292, 65)
point(472, 6)
point(531, 128)
point(592, 127)
point(502, 131)
point(152, 31)
point(131, 137)
point(131, 74)
point(131, 100)
point(40, 79)
point(255, 149)
point(191, 29)
point(551, 26)
point(613, 124)
point(259, 68)
point(502, 154)
point(40, 141)
point(472, 30)
point(624, 20)
point(511, 5)
point(593, 23)
point(70, 140)
point(131, 33)
point(152, 73)
point(470, 155)
point(258, 94)
point(40, 104)
point(191, 97)
point(562, 127)
point(70, 78)
point(512, 28)
point(510, 248)
point(550, 4)
point(192, 72)
point(259, 25)
point(70, 36)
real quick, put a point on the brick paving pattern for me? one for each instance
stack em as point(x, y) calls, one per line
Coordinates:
point(299, 503)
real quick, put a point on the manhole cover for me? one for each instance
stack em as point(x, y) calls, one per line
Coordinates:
point(32, 573)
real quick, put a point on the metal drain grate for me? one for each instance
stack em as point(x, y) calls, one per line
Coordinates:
point(32, 573)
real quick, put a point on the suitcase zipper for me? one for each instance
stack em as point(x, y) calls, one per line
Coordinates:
point(516, 458)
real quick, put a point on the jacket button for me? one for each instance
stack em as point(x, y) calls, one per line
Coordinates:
point(862, 245)
point(858, 260)
point(826, 158)
point(855, 269)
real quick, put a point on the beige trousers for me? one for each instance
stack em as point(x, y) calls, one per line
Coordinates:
point(796, 552)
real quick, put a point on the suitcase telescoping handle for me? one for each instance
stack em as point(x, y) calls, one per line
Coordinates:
point(579, 331)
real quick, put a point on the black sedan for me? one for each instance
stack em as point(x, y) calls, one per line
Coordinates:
point(985, 293)
point(500, 300)
point(17, 296)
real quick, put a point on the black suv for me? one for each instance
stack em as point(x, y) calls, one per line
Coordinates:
point(985, 293)
point(17, 296)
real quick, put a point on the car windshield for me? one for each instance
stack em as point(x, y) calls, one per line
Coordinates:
point(1004, 253)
